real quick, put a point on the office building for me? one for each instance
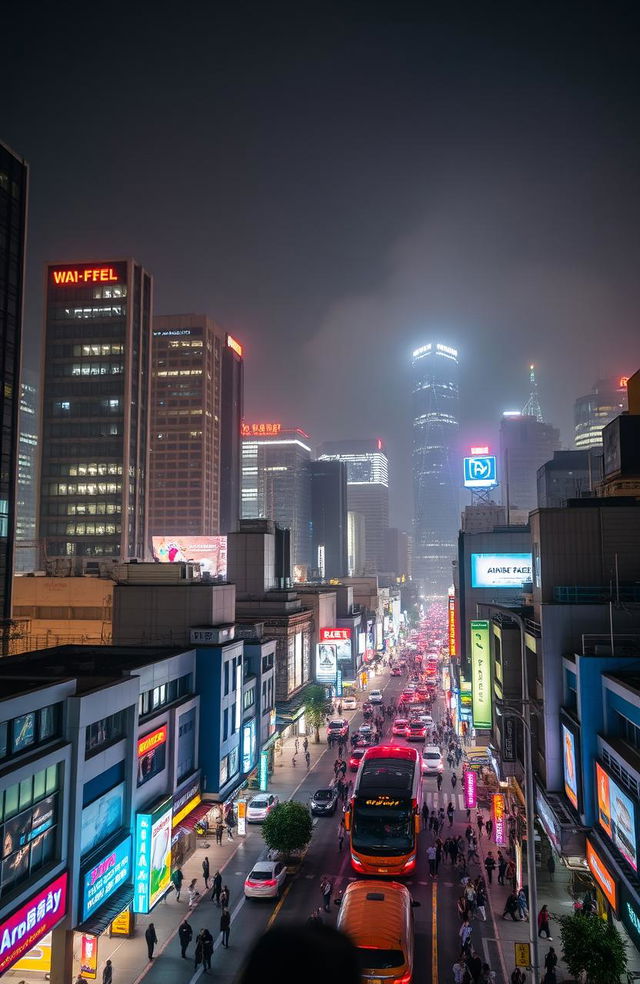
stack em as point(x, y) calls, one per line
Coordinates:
point(26, 556)
point(594, 411)
point(435, 464)
point(329, 519)
point(276, 484)
point(367, 490)
point(568, 475)
point(397, 545)
point(196, 401)
point(96, 396)
point(525, 445)
point(13, 229)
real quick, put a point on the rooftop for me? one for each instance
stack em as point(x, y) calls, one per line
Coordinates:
point(72, 660)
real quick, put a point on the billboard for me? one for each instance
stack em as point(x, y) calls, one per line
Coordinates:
point(500, 820)
point(603, 876)
point(209, 551)
point(570, 763)
point(153, 853)
point(248, 745)
point(480, 674)
point(102, 818)
point(470, 786)
point(500, 570)
point(101, 880)
point(28, 924)
point(340, 638)
point(480, 472)
point(617, 815)
point(152, 754)
point(326, 662)
point(451, 625)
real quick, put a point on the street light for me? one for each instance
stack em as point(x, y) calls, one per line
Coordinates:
point(529, 793)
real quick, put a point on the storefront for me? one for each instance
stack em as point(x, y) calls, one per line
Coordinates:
point(188, 812)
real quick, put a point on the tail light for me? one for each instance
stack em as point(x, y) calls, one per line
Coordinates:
point(271, 882)
point(405, 979)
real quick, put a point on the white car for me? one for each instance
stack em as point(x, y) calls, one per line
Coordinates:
point(350, 703)
point(261, 806)
point(365, 729)
point(427, 720)
point(265, 880)
point(432, 762)
point(375, 697)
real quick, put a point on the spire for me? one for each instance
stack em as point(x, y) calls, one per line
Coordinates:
point(532, 407)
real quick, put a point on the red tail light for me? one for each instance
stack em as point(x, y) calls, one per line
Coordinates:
point(405, 979)
point(271, 882)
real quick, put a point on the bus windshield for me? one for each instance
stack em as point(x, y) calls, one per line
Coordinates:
point(381, 829)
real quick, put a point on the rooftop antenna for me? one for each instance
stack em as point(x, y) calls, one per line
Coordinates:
point(532, 407)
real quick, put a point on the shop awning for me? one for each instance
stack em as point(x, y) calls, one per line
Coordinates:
point(197, 814)
point(108, 911)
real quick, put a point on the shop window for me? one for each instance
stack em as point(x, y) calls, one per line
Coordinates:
point(47, 722)
point(52, 779)
point(24, 732)
point(11, 798)
point(104, 732)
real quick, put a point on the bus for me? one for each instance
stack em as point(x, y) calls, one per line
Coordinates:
point(384, 815)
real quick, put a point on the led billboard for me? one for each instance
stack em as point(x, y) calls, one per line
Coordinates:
point(500, 570)
point(101, 880)
point(480, 472)
point(480, 674)
point(28, 924)
point(603, 876)
point(326, 663)
point(617, 815)
point(209, 551)
point(153, 857)
point(570, 763)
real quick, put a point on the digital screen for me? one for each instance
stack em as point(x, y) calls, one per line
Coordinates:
point(326, 663)
point(501, 570)
point(481, 673)
point(106, 877)
point(24, 731)
point(570, 765)
point(617, 815)
point(102, 818)
point(602, 875)
point(209, 551)
point(153, 858)
point(480, 472)
point(152, 754)
point(248, 745)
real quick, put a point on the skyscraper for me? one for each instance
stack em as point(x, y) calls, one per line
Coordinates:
point(594, 411)
point(26, 552)
point(329, 518)
point(97, 357)
point(525, 445)
point(14, 178)
point(367, 490)
point(196, 400)
point(436, 482)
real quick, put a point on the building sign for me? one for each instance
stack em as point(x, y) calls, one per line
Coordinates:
point(233, 344)
point(186, 800)
point(208, 551)
point(499, 820)
point(152, 754)
point(335, 635)
point(122, 925)
point(500, 570)
point(508, 739)
point(153, 857)
point(480, 674)
point(261, 430)
point(89, 956)
point(480, 472)
point(21, 931)
point(263, 773)
point(470, 786)
point(630, 913)
point(452, 626)
point(603, 876)
point(82, 276)
point(339, 683)
point(326, 663)
point(242, 817)
point(569, 764)
point(617, 815)
point(522, 954)
point(104, 878)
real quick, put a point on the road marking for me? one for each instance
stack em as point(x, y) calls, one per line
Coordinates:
point(434, 936)
point(196, 975)
point(279, 904)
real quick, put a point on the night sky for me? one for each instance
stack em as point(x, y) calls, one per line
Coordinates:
point(339, 183)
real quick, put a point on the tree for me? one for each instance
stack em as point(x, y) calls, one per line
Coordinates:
point(317, 706)
point(594, 948)
point(288, 828)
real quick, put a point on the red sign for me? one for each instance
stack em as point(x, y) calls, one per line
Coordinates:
point(470, 786)
point(602, 875)
point(21, 931)
point(89, 957)
point(152, 740)
point(80, 276)
point(483, 450)
point(261, 430)
point(232, 344)
point(333, 635)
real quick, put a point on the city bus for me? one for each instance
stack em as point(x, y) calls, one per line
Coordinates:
point(384, 815)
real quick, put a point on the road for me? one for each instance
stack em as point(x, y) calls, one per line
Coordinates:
point(436, 919)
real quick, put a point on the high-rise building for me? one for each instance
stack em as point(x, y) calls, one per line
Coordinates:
point(329, 519)
point(95, 427)
point(525, 445)
point(398, 550)
point(276, 484)
point(26, 558)
point(196, 400)
point(594, 411)
point(356, 551)
point(436, 481)
point(14, 176)
point(367, 490)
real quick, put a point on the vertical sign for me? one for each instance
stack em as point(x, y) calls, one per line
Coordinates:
point(499, 818)
point(480, 674)
point(264, 771)
point(452, 626)
point(89, 957)
point(242, 817)
point(338, 683)
point(470, 785)
point(143, 847)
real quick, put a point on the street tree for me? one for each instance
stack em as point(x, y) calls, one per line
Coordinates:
point(594, 948)
point(287, 829)
point(317, 706)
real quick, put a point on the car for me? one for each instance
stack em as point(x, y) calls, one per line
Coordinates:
point(324, 801)
point(363, 741)
point(355, 758)
point(432, 762)
point(396, 671)
point(416, 731)
point(337, 730)
point(399, 727)
point(427, 720)
point(265, 880)
point(365, 729)
point(261, 806)
point(350, 703)
point(375, 697)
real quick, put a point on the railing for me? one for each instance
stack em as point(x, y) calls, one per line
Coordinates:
point(577, 594)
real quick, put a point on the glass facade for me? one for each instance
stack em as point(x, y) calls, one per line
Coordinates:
point(436, 466)
point(595, 410)
point(95, 406)
point(26, 553)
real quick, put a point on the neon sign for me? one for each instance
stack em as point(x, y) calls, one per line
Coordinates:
point(152, 740)
point(236, 346)
point(261, 430)
point(75, 276)
point(331, 635)
point(21, 931)
point(452, 625)
point(483, 450)
point(382, 801)
point(470, 785)
point(622, 382)
point(500, 817)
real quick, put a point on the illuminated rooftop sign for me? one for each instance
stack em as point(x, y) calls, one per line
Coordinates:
point(261, 430)
point(236, 346)
point(622, 382)
point(482, 450)
point(80, 276)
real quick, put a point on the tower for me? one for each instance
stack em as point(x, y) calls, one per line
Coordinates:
point(434, 403)
point(594, 411)
point(532, 407)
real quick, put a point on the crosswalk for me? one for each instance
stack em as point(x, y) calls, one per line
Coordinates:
point(435, 799)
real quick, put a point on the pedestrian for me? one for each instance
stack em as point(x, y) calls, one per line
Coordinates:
point(481, 901)
point(454, 779)
point(468, 814)
point(326, 887)
point(199, 951)
point(468, 833)
point(207, 949)
point(458, 973)
point(307, 759)
point(502, 867)
point(518, 976)
point(225, 927)
point(177, 878)
point(489, 865)
point(450, 760)
point(431, 857)
point(465, 936)
point(450, 813)
point(438, 854)
point(511, 906)
point(193, 895)
point(480, 822)
point(340, 749)
point(343, 768)
point(340, 835)
point(151, 938)
point(205, 872)
point(551, 867)
point(474, 964)
point(297, 746)
point(439, 781)
point(463, 908)
point(219, 830)
point(433, 821)
point(217, 888)
point(336, 767)
point(523, 906)
point(107, 973)
point(185, 935)
point(488, 828)
point(305, 744)
point(543, 923)
point(230, 825)
point(224, 897)
point(551, 960)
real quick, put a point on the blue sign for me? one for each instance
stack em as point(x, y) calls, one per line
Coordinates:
point(143, 869)
point(339, 683)
point(480, 472)
point(106, 877)
point(264, 771)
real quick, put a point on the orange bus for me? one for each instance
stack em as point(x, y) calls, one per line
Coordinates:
point(383, 817)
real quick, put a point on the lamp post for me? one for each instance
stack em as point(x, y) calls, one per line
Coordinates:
point(529, 793)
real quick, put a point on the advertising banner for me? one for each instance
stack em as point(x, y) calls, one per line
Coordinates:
point(470, 786)
point(152, 754)
point(242, 817)
point(186, 799)
point(480, 674)
point(153, 853)
point(101, 880)
point(500, 570)
point(604, 877)
point(248, 745)
point(570, 764)
point(617, 815)
point(500, 820)
point(508, 739)
point(89, 956)
point(326, 662)
point(21, 931)
point(263, 773)
point(102, 818)
point(122, 925)
point(209, 551)
point(452, 626)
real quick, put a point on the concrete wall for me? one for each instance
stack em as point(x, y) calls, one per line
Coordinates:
point(62, 610)
point(148, 614)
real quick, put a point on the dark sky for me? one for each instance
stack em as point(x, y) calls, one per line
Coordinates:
point(338, 183)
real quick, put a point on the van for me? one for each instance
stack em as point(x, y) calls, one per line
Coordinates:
point(377, 917)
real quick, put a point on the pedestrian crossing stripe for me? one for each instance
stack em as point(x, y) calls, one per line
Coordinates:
point(434, 800)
